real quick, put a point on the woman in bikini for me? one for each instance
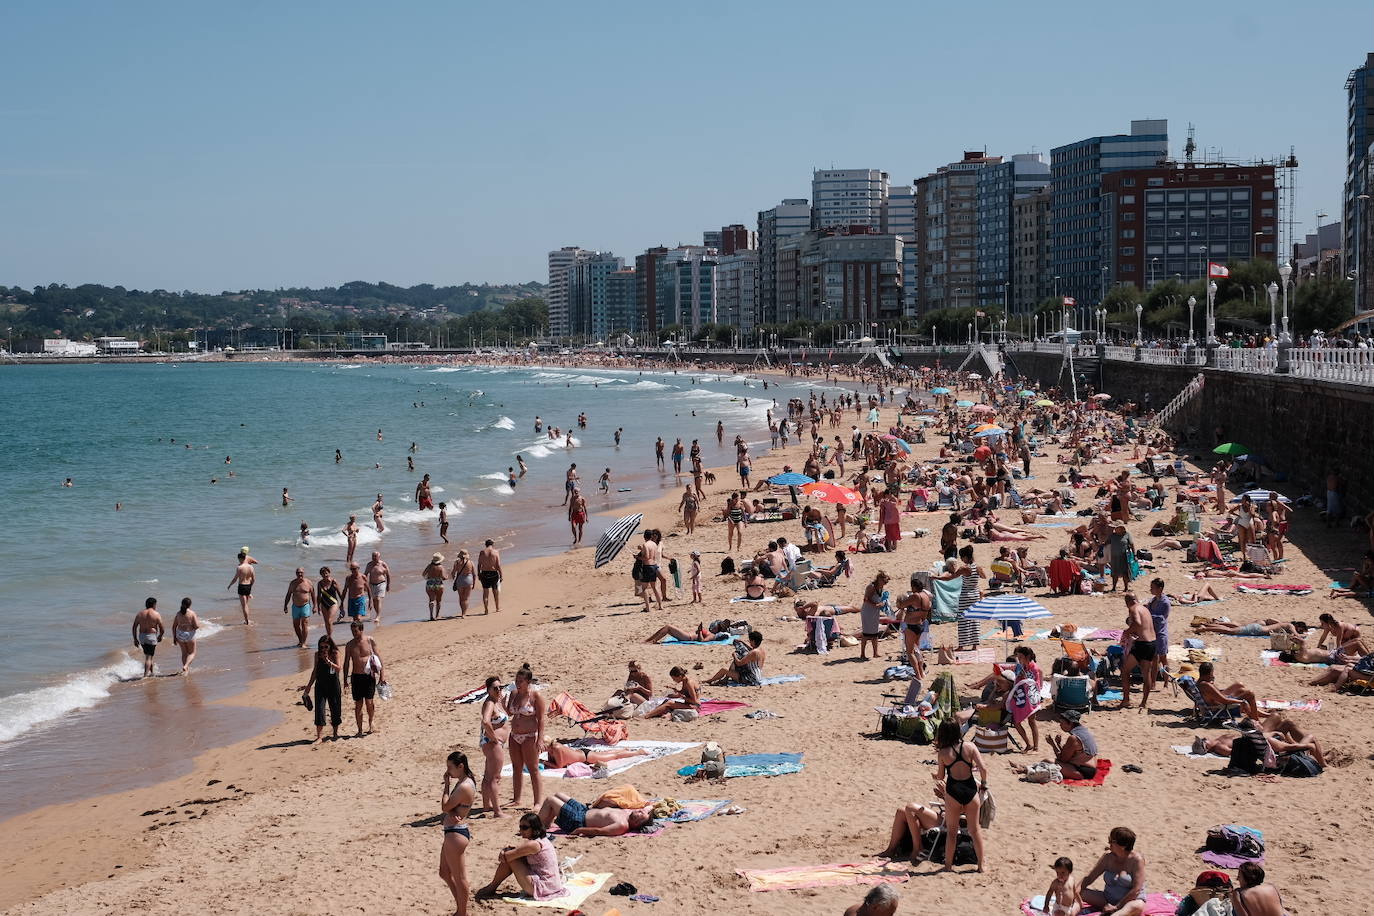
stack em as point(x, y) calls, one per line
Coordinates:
point(330, 596)
point(184, 627)
point(561, 755)
point(689, 506)
point(464, 574)
point(528, 709)
point(456, 804)
point(734, 517)
point(435, 576)
point(957, 761)
point(495, 728)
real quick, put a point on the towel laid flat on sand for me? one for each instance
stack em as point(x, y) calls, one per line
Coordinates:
point(723, 641)
point(753, 600)
point(1186, 751)
point(1270, 659)
point(656, 750)
point(580, 886)
point(1104, 766)
point(1272, 588)
point(754, 765)
point(1309, 705)
point(697, 809)
point(836, 874)
point(711, 707)
point(1155, 905)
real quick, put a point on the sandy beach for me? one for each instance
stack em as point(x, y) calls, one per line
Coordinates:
point(279, 825)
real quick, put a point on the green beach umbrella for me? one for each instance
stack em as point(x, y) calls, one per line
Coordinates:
point(1231, 448)
point(1044, 402)
point(1028, 394)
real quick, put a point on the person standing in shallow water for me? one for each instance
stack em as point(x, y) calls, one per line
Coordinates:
point(243, 578)
point(184, 627)
point(148, 633)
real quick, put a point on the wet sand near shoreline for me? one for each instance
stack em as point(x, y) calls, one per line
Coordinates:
point(321, 828)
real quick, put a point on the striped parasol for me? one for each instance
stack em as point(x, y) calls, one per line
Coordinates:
point(614, 538)
point(1008, 606)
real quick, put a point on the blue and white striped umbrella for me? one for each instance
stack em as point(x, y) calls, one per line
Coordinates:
point(614, 538)
point(1258, 496)
point(1008, 606)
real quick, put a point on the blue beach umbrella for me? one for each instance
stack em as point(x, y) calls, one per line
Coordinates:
point(1258, 496)
point(990, 432)
point(1028, 394)
point(790, 480)
point(1007, 607)
point(963, 403)
point(939, 391)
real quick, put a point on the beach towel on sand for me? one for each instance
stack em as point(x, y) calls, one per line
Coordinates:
point(1104, 766)
point(1307, 705)
point(1272, 588)
point(697, 809)
point(580, 886)
point(1155, 905)
point(711, 707)
point(754, 765)
point(836, 874)
point(1186, 750)
point(656, 750)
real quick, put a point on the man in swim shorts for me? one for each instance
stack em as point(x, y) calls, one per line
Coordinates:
point(147, 633)
point(243, 578)
point(362, 668)
point(570, 482)
point(576, 819)
point(489, 573)
point(300, 602)
point(577, 515)
point(1138, 639)
point(378, 582)
point(355, 593)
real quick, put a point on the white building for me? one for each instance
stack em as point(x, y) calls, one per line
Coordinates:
point(62, 347)
point(118, 346)
point(737, 279)
point(559, 262)
point(848, 197)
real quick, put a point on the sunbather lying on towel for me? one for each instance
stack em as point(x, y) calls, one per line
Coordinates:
point(705, 632)
point(1229, 574)
point(1282, 734)
point(804, 609)
point(1206, 593)
point(1263, 627)
point(560, 755)
point(577, 819)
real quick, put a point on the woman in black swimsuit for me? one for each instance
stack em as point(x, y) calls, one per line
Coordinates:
point(958, 760)
point(456, 803)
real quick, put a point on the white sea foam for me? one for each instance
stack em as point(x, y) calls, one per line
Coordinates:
point(449, 369)
point(503, 489)
point(366, 537)
point(646, 385)
point(28, 710)
point(496, 475)
point(504, 423)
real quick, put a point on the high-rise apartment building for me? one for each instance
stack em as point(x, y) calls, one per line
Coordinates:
point(999, 187)
point(1078, 246)
point(711, 238)
point(1359, 179)
point(901, 222)
point(557, 297)
point(1030, 251)
point(947, 233)
point(737, 237)
point(791, 217)
point(737, 283)
point(622, 311)
point(587, 295)
point(686, 287)
point(848, 197)
point(1175, 218)
point(646, 289)
point(839, 275)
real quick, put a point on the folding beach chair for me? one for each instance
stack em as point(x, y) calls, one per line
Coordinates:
point(1203, 712)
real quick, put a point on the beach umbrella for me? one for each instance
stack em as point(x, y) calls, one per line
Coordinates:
point(974, 375)
point(1102, 396)
point(1007, 606)
point(1230, 448)
point(1028, 394)
point(828, 492)
point(614, 538)
point(939, 391)
point(790, 479)
point(982, 408)
point(1044, 402)
point(995, 431)
point(1258, 496)
point(963, 403)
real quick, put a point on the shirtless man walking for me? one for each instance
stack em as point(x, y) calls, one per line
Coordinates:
point(362, 668)
point(148, 632)
point(489, 574)
point(570, 483)
point(243, 578)
point(649, 555)
point(577, 515)
point(1139, 641)
point(378, 582)
point(300, 603)
point(355, 593)
point(350, 533)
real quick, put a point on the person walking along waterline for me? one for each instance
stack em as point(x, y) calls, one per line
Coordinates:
point(300, 604)
point(435, 576)
point(243, 578)
point(489, 574)
point(324, 677)
point(184, 627)
point(148, 633)
point(363, 669)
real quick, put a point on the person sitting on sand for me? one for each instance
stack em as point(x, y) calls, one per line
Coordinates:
point(576, 819)
point(1258, 628)
point(1282, 735)
point(1235, 695)
point(1338, 675)
point(1076, 754)
point(1123, 872)
point(1252, 897)
point(684, 697)
point(746, 669)
point(638, 685)
point(532, 861)
point(754, 587)
point(1363, 583)
point(560, 754)
point(881, 900)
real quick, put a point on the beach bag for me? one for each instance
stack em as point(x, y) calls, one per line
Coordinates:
point(987, 811)
point(1281, 642)
point(991, 740)
point(1299, 764)
point(1044, 772)
point(1226, 840)
point(1132, 565)
point(727, 566)
point(934, 840)
point(384, 691)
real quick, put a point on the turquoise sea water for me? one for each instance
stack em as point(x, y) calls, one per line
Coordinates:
point(76, 570)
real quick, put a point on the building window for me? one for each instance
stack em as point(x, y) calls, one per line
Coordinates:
point(1127, 268)
point(1153, 215)
point(1240, 194)
point(1154, 197)
point(1127, 251)
point(1219, 195)
point(1267, 247)
point(1267, 211)
point(1127, 199)
point(1154, 249)
point(1128, 182)
point(1128, 233)
point(1267, 195)
point(1177, 197)
point(1154, 182)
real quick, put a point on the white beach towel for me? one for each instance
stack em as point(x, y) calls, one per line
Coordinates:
point(656, 749)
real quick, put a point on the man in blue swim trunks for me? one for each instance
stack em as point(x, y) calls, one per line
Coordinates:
point(355, 592)
point(300, 600)
point(576, 819)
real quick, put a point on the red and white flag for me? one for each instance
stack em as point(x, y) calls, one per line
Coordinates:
point(1070, 301)
point(1217, 270)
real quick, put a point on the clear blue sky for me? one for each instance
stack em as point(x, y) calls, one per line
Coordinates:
point(209, 146)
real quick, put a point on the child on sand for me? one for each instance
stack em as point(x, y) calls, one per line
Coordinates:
point(1063, 898)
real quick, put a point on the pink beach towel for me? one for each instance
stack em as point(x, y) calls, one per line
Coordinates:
point(1155, 905)
point(837, 874)
point(711, 707)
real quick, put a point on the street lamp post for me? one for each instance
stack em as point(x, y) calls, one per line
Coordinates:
point(1285, 271)
point(970, 333)
point(1139, 310)
point(1192, 303)
point(1273, 290)
point(1211, 312)
point(1153, 261)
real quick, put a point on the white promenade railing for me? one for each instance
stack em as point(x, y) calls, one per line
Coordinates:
point(1336, 365)
point(1250, 359)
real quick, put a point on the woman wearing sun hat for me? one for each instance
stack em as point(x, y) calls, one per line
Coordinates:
point(435, 577)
